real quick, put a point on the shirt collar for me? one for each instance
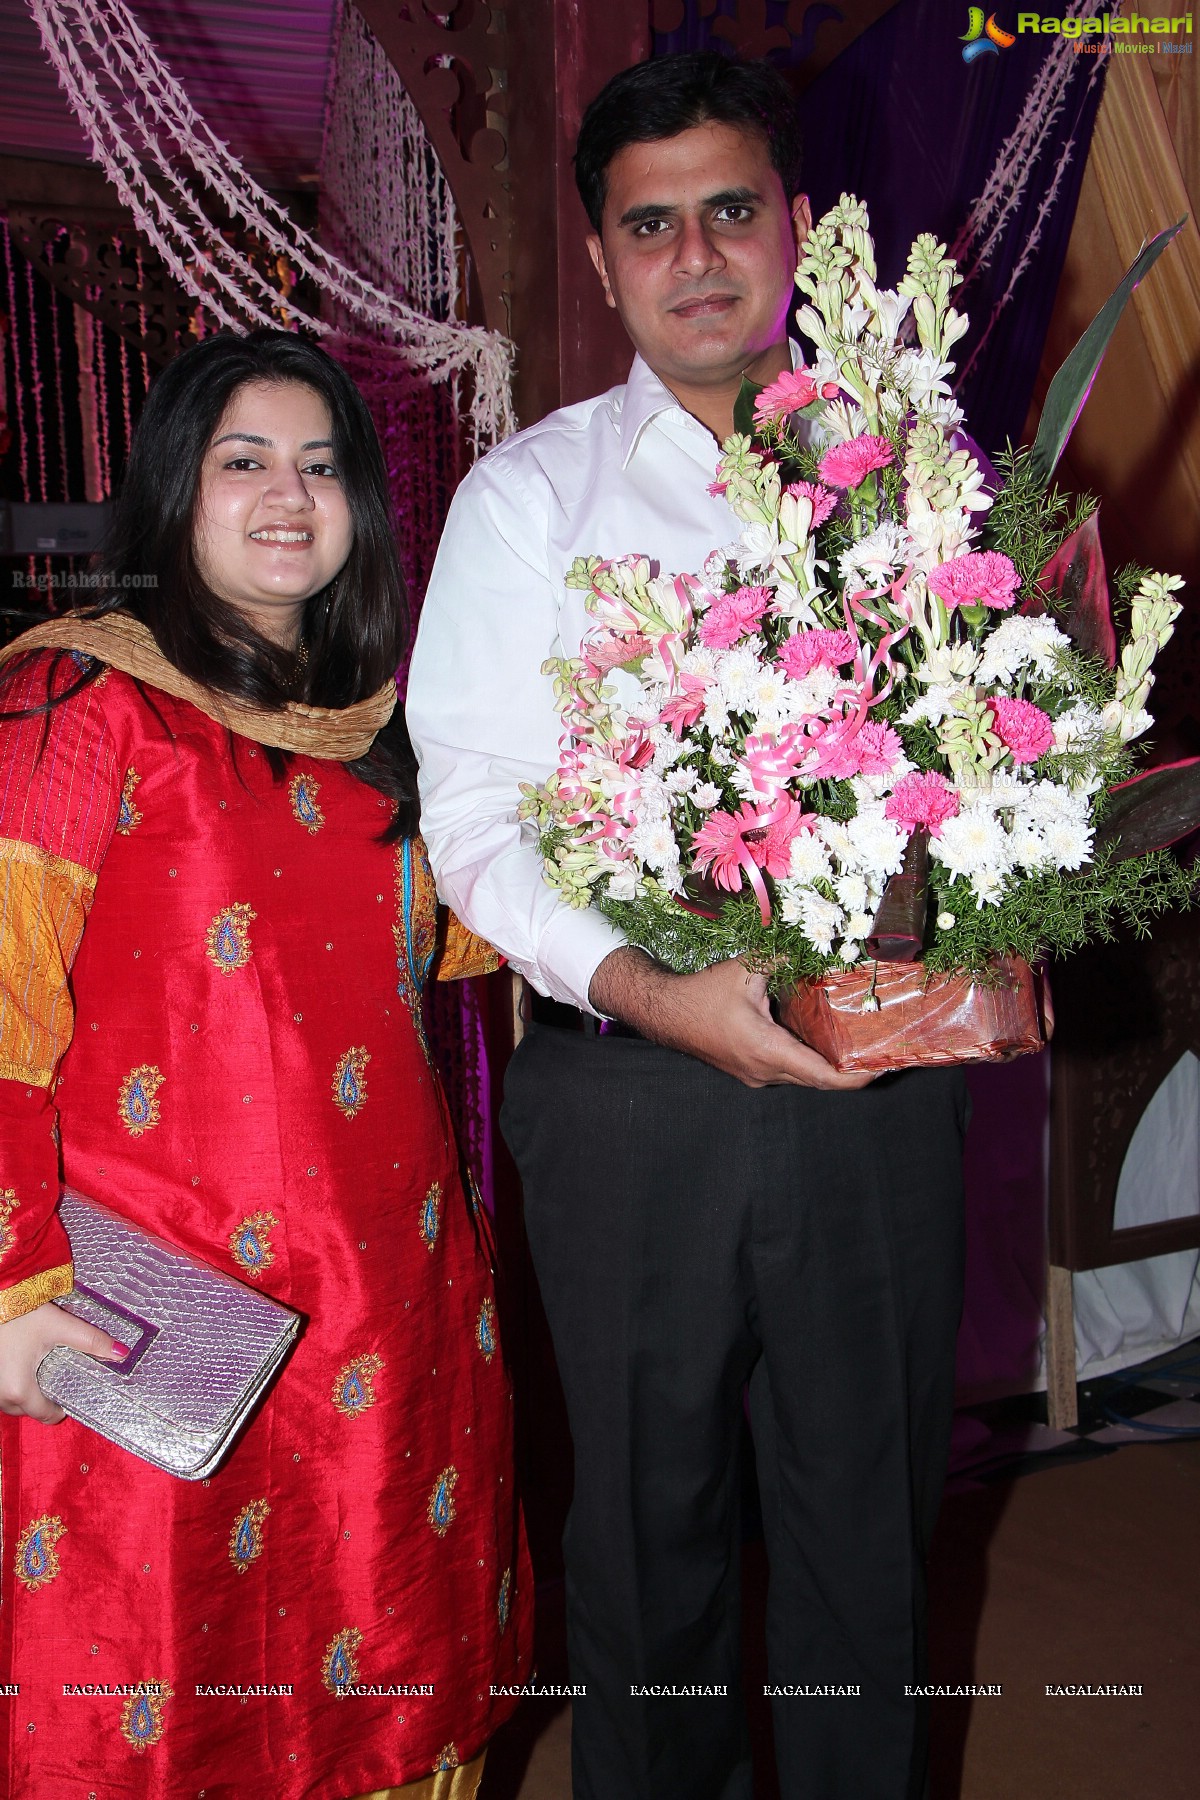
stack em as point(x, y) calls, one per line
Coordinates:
point(646, 398)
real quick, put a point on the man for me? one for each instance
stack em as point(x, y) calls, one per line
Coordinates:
point(708, 1203)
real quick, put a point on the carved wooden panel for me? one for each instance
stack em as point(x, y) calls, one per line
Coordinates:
point(98, 261)
point(452, 56)
point(1126, 1013)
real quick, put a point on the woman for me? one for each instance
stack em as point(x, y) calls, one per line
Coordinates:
point(215, 918)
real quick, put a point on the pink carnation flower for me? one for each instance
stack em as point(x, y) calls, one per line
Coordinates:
point(806, 650)
point(877, 748)
point(1023, 728)
point(734, 616)
point(848, 465)
point(981, 578)
point(820, 499)
point(927, 800)
point(792, 391)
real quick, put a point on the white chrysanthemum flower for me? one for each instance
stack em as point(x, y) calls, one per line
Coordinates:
point(739, 674)
point(877, 844)
point(722, 756)
point(875, 560)
point(821, 919)
point(946, 921)
point(1080, 728)
point(858, 924)
point(932, 707)
point(850, 951)
point(705, 795)
point(987, 885)
point(974, 840)
point(680, 781)
point(1028, 848)
point(653, 842)
point(1021, 643)
point(851, 890)
point(715, 716)
point(838, 840)
point(808, 859)
point(1069, 843)
point(814, 692)
point(770, 698)
point(701, 661)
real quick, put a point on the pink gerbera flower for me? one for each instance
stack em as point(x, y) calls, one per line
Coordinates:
point(848, 465)
point(610, 650)
point(980, 578)
point(877, 747)
point(807, 650)
point(792, 391)
point(818, 497)
point(927, 800)
point(1023, 728)
point(734, 616)
point(685, 706)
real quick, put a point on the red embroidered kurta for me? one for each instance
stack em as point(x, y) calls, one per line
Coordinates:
point(246, 1074)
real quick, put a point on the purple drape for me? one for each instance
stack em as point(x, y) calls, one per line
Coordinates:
point(900, 120)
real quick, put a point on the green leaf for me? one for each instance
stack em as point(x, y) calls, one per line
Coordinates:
point(743, 407)
point(1151, 811)
point(1070, 388)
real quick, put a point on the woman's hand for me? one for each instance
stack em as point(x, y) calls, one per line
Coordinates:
point(24, 1342)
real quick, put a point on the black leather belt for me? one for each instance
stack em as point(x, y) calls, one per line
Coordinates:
point(540, 1011)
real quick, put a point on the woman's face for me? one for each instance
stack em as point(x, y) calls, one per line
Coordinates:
point(272, 523)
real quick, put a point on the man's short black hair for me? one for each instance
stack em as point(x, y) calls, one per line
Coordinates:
point(670, 94)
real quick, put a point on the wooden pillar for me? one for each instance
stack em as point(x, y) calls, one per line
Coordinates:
point(561, 52)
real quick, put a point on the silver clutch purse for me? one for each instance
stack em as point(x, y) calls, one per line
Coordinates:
point(202, 1347)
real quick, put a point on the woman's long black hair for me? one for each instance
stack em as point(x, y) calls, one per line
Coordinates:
point(355, 629)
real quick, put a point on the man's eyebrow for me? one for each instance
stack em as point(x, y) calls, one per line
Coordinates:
point(739, 196)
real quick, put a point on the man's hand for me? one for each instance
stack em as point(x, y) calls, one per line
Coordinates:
point(722, 1016)
point(24, 1342)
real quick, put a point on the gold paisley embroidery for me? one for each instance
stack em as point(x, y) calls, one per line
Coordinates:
point(142, 1716)
point(137, 1102)
point(354, 1386)
point(246, 1537)
point(302, 792)
point(339, 1665)
point(250, 1246)
point(228, 937)
point(37, 1560)
point(431, 1215)
point(447, 1759)
point(350, 1083)
point(128, 816)
point(441, 1510)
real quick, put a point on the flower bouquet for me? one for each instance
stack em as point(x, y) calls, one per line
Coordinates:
point(879, 746)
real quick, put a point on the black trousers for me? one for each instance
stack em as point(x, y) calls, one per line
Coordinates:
point(691, 1235)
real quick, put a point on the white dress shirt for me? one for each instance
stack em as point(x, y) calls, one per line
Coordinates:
point(623, 474)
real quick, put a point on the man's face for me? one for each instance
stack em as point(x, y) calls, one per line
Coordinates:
point(697, 251)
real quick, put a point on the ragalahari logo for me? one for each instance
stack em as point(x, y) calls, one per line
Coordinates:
point(984, 37)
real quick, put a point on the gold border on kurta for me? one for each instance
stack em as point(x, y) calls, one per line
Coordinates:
point(35, 1290)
